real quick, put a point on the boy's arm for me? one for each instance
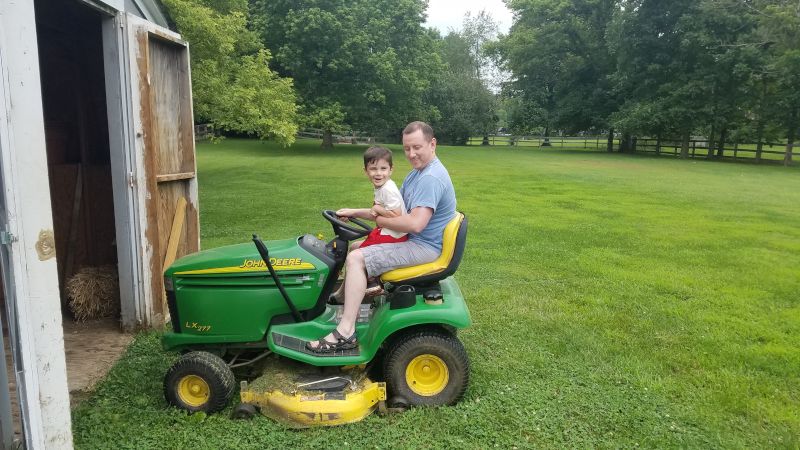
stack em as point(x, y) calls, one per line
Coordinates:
point(358, 213)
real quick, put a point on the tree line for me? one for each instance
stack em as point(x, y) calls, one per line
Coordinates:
point(725, 69)
point(268, 67)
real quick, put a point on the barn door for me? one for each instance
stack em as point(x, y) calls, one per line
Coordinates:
point(165, 178)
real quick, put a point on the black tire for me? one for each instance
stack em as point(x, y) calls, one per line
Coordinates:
point(437, 365)
point(199, 381)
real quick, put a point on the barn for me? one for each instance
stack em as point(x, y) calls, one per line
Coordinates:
point(97, 168)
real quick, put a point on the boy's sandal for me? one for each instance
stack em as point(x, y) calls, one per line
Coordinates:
point(342, 343)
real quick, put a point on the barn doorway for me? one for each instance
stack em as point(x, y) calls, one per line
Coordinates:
point(72, 71)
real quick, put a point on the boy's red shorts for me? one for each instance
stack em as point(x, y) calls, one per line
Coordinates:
point(375, 237)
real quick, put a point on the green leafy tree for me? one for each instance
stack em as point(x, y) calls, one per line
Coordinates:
point(778, 34)
point(232, 85)
point(356, 64)
point(557, 54)
point(464, 104)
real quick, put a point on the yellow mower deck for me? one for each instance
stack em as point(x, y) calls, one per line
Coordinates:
point(283, 395)
point(308, 409)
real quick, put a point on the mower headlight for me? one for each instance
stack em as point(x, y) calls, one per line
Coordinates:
point(168, 285)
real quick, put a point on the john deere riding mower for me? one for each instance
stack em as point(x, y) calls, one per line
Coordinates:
point(255, 306)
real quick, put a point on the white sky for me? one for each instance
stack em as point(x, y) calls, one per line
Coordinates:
point(446, 14)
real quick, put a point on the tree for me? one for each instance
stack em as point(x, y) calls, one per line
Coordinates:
point(360, 64)
point(556, 51)
point(779, 34)
point(464, 104)
point(232, 85)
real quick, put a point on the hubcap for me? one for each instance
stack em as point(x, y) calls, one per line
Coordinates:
point(193, 390)
point(427, 375)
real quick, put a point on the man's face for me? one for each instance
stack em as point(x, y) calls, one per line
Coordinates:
point(419, 151)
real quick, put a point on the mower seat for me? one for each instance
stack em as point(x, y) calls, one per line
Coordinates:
point(454, 240)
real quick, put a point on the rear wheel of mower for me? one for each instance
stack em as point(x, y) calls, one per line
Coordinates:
point(199, 381)
point(427, 368)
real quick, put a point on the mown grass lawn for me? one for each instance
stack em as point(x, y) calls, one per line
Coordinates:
point(617, 300)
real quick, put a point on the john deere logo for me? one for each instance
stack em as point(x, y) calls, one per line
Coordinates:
point(259, 263)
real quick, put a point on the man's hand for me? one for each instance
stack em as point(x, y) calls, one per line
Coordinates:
point(414, 222)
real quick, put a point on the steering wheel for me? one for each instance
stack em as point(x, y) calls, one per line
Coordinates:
point(346, 230)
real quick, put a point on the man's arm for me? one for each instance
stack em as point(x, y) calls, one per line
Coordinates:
point(378, 210)
point(413, 222)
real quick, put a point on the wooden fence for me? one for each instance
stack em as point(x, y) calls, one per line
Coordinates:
point(698, 148)
point(345, 138)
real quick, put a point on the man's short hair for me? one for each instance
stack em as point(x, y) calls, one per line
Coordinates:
point(377, 153)
point(426, 129)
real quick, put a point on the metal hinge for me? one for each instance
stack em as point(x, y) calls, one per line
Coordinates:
point(7, 238)
point(131, 180)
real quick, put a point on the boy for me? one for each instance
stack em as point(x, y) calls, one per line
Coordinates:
point(387, 203)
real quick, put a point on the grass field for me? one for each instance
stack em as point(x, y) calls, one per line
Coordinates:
point(617, 300)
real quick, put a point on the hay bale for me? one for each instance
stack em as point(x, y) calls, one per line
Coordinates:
point(93, 293)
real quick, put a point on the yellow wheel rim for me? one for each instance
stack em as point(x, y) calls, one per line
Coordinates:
point(193, 390)
point(427, 375)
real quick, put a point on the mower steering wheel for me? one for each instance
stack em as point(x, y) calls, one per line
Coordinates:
point(346, 230)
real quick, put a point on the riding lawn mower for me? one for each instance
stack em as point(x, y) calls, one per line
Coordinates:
point(247, 311)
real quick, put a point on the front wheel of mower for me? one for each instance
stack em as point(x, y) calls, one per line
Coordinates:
point(199, 381)
point(427, 368)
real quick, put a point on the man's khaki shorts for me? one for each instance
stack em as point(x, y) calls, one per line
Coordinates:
point(381, 258)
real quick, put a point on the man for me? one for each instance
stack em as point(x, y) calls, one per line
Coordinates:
point(430, 202)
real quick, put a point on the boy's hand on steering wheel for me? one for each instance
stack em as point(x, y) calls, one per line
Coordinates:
point(344, 214)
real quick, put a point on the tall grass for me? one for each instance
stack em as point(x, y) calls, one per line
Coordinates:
point(617, 300)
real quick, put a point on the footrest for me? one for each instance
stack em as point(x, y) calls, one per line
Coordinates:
point(299, 345)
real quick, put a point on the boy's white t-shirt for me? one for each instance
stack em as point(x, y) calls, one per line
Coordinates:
point(388, 196)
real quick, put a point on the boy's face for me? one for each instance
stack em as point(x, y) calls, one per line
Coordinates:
point(419, 151)
point(378, 172)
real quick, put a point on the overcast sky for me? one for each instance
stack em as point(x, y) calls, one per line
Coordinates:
point(446, 14)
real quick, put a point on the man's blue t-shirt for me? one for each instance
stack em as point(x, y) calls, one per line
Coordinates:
point(430, 187)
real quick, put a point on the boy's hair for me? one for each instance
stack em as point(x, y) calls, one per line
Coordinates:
point(377, 153)
point(427, 131)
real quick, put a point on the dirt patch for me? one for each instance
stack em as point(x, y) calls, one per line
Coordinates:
point(91, 348)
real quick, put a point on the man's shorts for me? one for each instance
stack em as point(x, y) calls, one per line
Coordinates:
point(382, 258)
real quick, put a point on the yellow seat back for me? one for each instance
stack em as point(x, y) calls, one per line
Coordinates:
point(438, 265)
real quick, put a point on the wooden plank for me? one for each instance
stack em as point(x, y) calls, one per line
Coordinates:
point(172, 246)
point(174, 177)
point(73, 233)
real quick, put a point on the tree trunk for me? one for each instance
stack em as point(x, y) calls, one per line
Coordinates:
point(610, 145)
point(759, 139)
point(327, 140)
point(721, 144)
point(625, 143)
point(546, 142)
point(658, 144)
point(787, 157)
point(485, 140)
point(711, 140)
point(760, 126)
point(685, 145)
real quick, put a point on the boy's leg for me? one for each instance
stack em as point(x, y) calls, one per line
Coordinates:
point(339, 293)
